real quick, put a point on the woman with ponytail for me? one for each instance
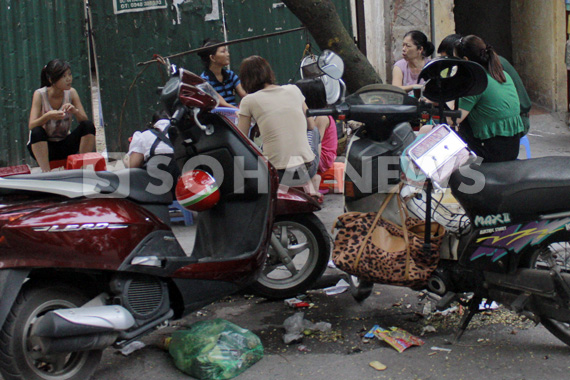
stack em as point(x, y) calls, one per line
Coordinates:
point(490, 123)
point(416, 50)
point(53, 106)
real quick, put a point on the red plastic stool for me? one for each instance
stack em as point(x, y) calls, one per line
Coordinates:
point(13, 170)
point(78, 161)
point(333, 178)
point(57, 164)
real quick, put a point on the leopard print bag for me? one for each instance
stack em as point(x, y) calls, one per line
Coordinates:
point(380, 251)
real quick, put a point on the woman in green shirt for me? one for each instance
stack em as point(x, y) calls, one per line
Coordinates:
point(490, 122)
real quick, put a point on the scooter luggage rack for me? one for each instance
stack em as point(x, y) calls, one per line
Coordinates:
point(437, 155)
point(451, 218)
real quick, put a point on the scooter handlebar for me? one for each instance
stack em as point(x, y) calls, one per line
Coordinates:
point(321, 112)
point(178, 115)
point(452, 114)
point(367, 112)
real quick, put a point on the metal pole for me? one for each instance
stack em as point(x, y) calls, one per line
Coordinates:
point(360, 26)
point(432, 23)
point(225, 44)
point(427, 237)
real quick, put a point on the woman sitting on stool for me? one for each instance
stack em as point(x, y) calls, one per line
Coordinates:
point(53, 106)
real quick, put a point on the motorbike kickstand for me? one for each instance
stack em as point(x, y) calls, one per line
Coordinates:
point(472, 309)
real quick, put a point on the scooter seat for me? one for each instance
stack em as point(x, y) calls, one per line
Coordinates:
point(134, 184)
point(521, 188)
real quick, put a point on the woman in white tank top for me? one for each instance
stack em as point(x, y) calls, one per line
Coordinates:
point(53, 107)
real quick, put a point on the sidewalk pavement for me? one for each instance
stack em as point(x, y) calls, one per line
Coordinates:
point(549, 134)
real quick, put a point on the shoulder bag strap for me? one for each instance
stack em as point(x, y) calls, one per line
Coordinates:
point(403, 215)
point(161, 136)
point(374, 225)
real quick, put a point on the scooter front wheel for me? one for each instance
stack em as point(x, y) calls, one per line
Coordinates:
point(297, 256)
point(20, 359)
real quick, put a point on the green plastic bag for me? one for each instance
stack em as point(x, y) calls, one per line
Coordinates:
point(215, 350)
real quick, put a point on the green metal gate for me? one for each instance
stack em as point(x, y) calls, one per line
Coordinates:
point(128, 91)
point(33, 33)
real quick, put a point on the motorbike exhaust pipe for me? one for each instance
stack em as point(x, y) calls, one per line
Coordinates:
point(46, 346)
point(80, 329)
point(83, 321)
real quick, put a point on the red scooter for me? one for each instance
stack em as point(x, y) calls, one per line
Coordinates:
point(88, 259)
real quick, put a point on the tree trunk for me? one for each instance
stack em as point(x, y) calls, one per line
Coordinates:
point(322, 21)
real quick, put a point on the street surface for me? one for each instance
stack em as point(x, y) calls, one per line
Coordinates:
point(497, 344)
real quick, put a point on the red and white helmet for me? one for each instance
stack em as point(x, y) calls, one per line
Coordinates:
point(197, 190)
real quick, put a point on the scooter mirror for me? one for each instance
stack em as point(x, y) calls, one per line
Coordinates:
point(331, 64)
point(334, 87)
point(451, 78)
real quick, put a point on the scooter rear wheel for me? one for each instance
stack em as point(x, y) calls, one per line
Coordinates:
point(19, 360)
point(559, 251)
point(307, 244)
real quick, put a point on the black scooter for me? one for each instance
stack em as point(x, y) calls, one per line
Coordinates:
point(514, 247)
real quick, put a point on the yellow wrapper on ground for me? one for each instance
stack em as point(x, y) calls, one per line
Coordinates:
point(397, 338)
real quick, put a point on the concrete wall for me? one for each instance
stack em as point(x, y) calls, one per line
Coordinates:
point(404, 16)
point(376, 32)
point(387, 21)
point(376, 36)
point(538, 50)
point(444, 20)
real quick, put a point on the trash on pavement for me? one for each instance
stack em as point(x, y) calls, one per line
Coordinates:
point(434, 348)
point(132, 347)
point(303, 348)
point(377, 365)
point(370, 334)
point(296, 327)
point(214, 349)
point(485, 305)
point(427, 308)
point(340, 287)
point(448, 311)
point(296, 303)
point(428, 329)
point(398, 338)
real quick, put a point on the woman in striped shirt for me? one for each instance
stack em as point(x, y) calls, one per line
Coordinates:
point(224, 81)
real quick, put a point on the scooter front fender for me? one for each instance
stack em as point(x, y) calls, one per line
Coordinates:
point(11, 281)
point(293, 201)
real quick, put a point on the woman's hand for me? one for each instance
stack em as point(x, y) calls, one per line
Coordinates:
point(55, 115)
point(69, 108)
